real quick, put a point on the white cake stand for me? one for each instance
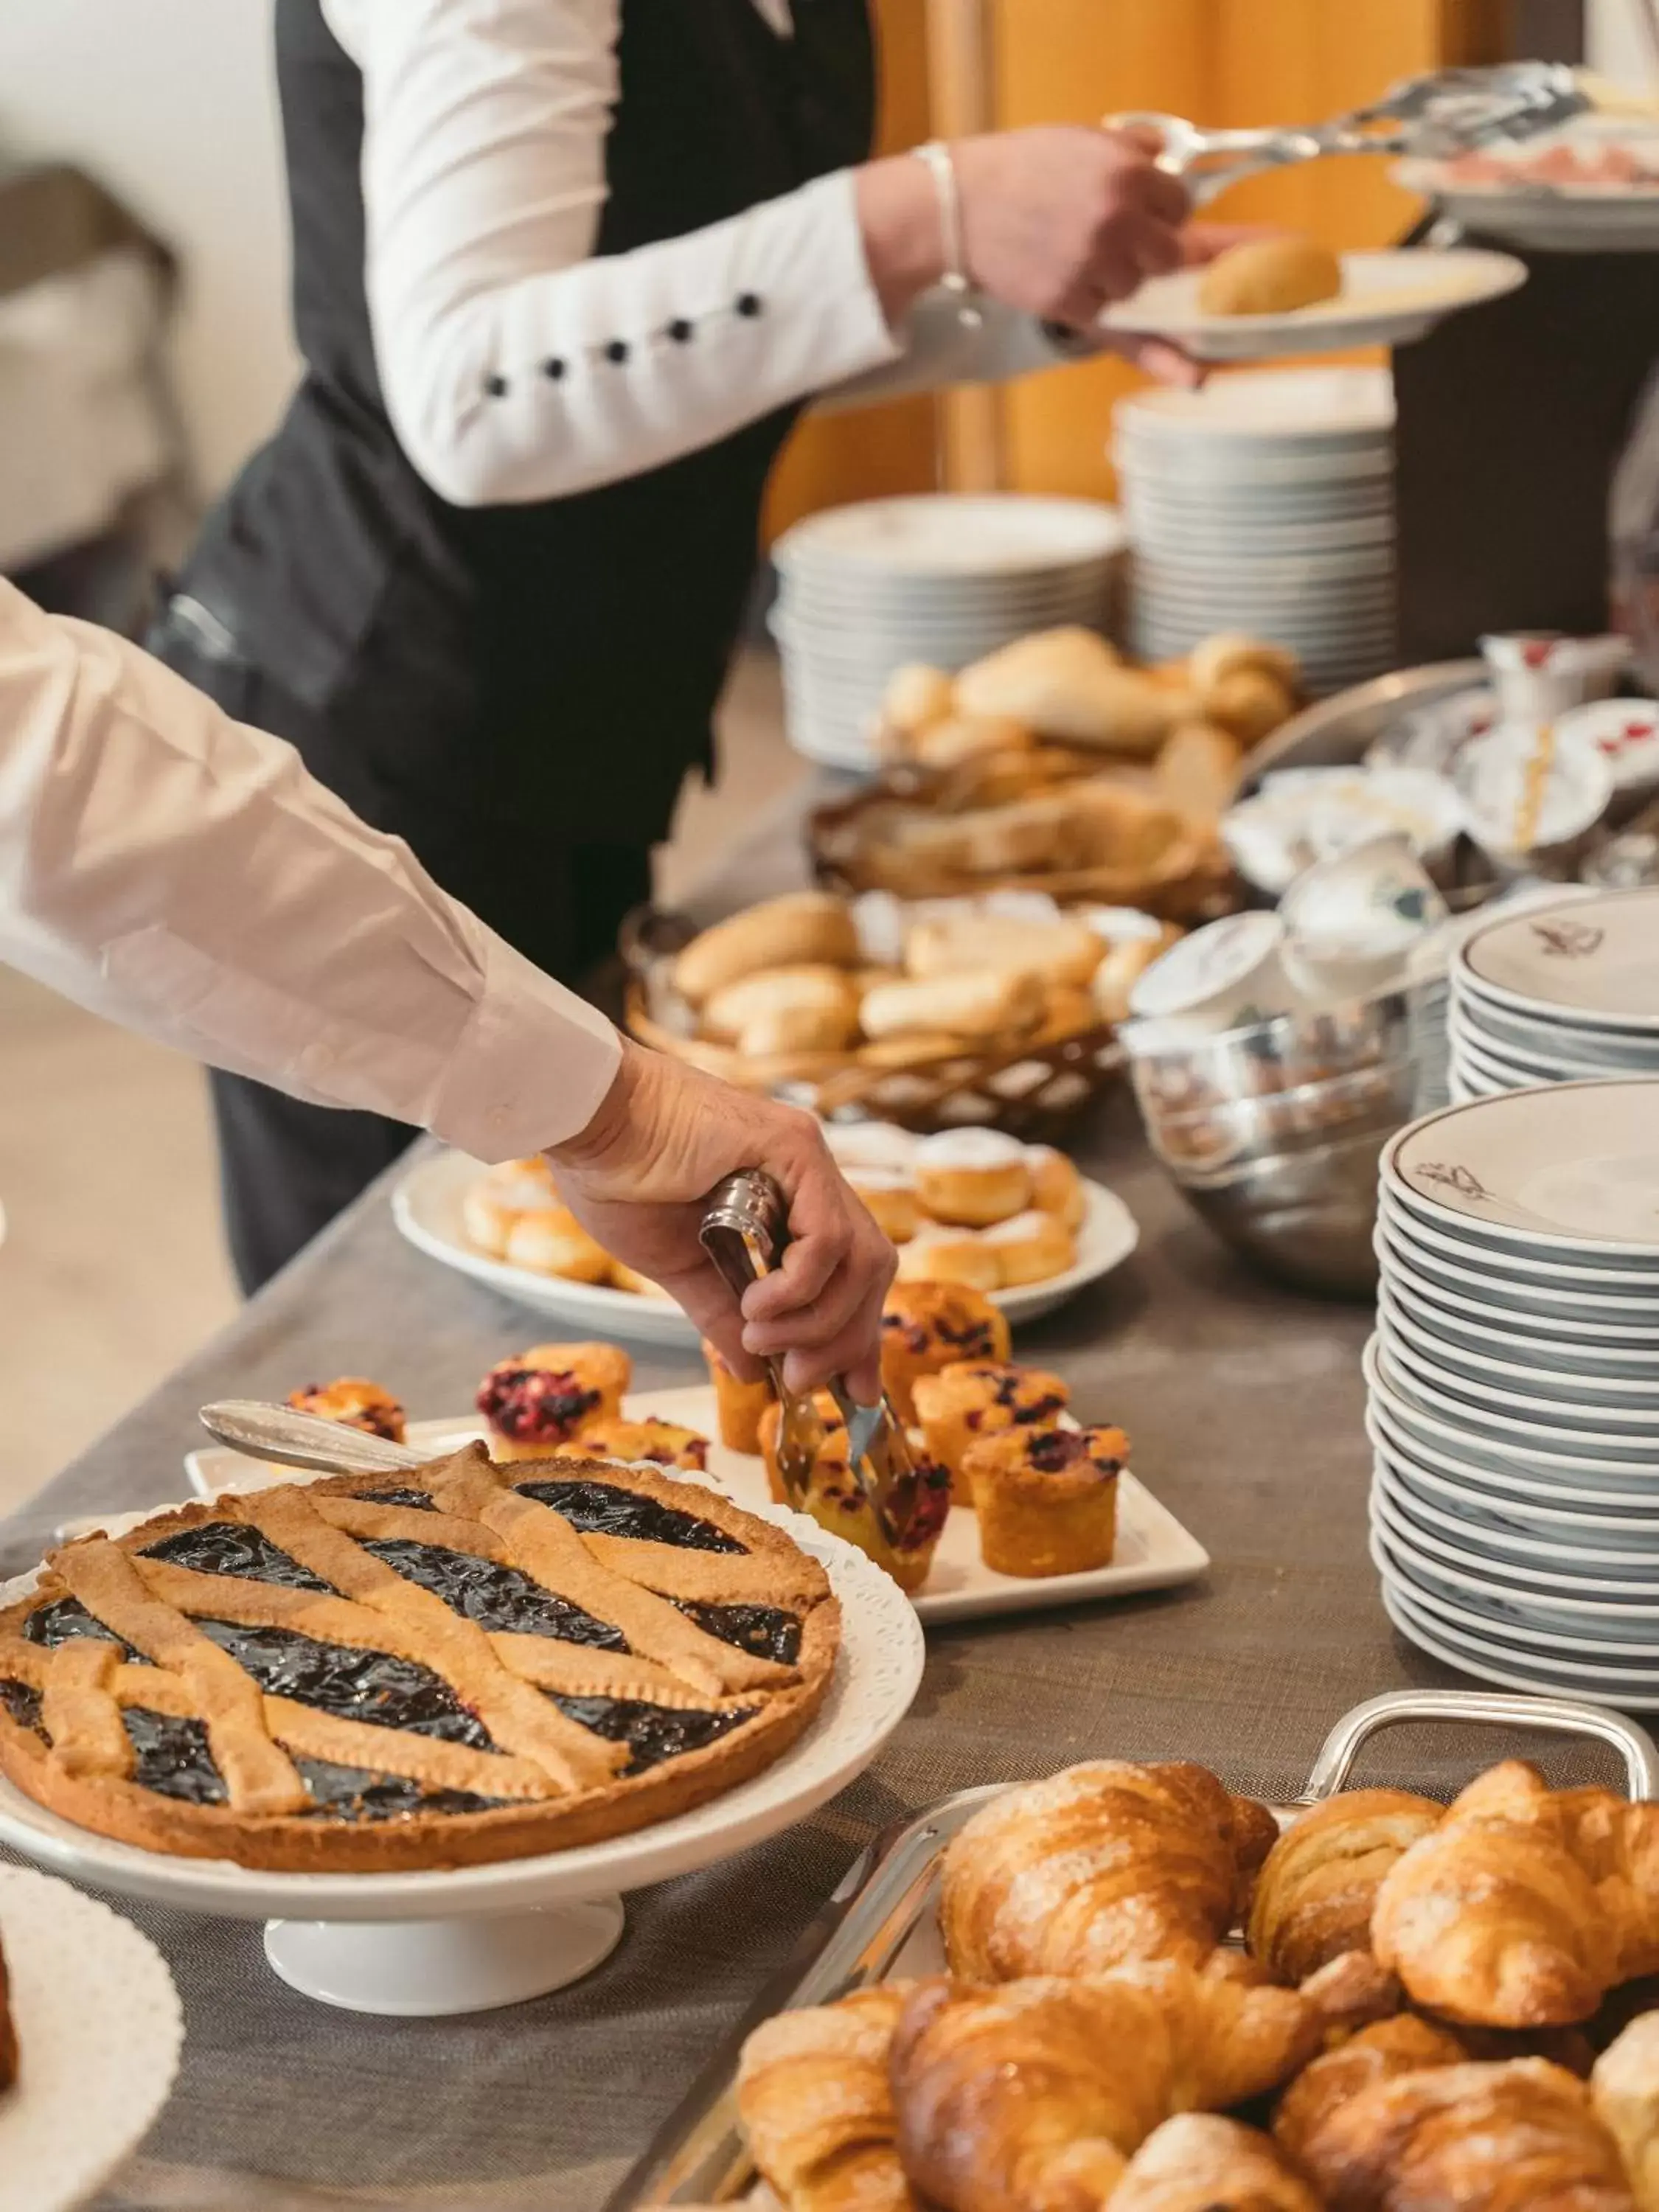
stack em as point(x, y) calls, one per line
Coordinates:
point(469, 1938)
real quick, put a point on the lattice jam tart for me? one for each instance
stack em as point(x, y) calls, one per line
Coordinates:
point(367, 1673)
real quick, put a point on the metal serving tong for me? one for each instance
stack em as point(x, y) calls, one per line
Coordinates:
point(745, 1229)
point(1445, 112)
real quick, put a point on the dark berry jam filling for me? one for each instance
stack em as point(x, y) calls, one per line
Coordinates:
point(66, 1618)
point(932, 1505)
point(533, 1407)
point(494, 1597)
point(651, 1733)
point(599, 1508)
point(417, 1501)
point(172, 1757)
point(1062, 1449)
point(229, 1548)
point(356, 1792)
point(763, 1630)
point(358, 1686)
point(23, 1703)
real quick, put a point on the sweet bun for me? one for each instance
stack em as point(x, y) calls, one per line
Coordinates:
point(1250, 703)
point(740, 1406)
point(1198, 767)
point(624, 1277)
point(650, 1441)
point(552, 1241)
point(356, 1403)
point(1232, 652)
point(1060, 951)
point(486, 1221)
point(1069, 684)
point(1070, 1013)
point(972, 1176)
point(870, 1144)
point(1128, 958)
point(914, 1049)
point(1269, 276)
point(1056, 1185)
point(1047, 1503)
point(961, 738)
point(928, 1327)
point(1031, 1248)
point(936, 1255)
point(788, 1030)
point(535, 1402)
point(828, 992)
point(977, 1003)
point(806, 928)
point(916, 696)
point(888, 1196)
point(490, 1205)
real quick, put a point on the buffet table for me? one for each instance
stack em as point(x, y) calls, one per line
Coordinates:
point(1244, 1405)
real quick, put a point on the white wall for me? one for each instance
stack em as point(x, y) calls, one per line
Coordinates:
point(170, 103)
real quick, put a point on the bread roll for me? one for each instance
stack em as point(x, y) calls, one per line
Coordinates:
point(828, 991)
point(788, 1030)
point(1061, 951)
point(1198, 769)
point(1127, 961)
point(917, 695)
point(913, 1049)
point(972, 1176)
point(805, 928)
point(1032, 1248)
point(1071, 1012)
point(936, 1255)
point(962, 737)
point(1070, 683)
point(1269, 276)
point(889, 1197)
point(975, 1005)
point(1230, 651)
point(1251, 702)
point(552, 1241)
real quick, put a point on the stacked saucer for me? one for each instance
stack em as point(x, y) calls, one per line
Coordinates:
point(1513, 1389)
point(1560, 994)
point(1265, 503)
point(936, 578)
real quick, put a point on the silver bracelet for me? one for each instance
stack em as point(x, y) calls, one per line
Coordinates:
point(955, 278)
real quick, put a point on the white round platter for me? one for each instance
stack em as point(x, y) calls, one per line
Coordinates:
point(1518, 1262)
point(1387, 299)
point(1633, 1446)
point(464, 1939)
point(1541, 1307)
point(1563, 1170)
point(1530, 1484)
point(1546, 1569)
point(1541, 217)
point(946, 533)
point(1518, 1380)
point(1594, 960)
point(1154, 1549)
point(1535, 1461)
point(1301, 407)
point(426, 1205)
point(99, 2030)
point(1522, 1065)
point(1509, 1671)
point(1491, 1333)
point(1506, 1512)
point(1613, 1658)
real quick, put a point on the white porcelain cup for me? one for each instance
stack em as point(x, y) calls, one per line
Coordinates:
point(1353, 921)
point(1227, 975)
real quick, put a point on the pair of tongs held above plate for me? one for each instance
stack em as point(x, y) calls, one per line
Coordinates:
point(745, 1229)
point(1437, 116)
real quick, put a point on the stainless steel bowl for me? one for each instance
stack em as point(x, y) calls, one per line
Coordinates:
point(1339, 730)
point(1305, 1217)
point(1173, 1074)
point(1211, 1139)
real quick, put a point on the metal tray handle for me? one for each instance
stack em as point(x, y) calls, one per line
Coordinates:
point(1490, 1708)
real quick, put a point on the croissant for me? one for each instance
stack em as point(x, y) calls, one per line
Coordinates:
point(1519, 2137)
point(1625, 2092)
point(1405, 2044)
point(815, 2105)
point(1617, 1844)
point(1314, 1894)
point(1032, 2096)
point(1197, 2163)
point(1101, 1864)
point(1492, 1918)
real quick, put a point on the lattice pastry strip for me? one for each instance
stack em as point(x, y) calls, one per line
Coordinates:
point(79, 1710)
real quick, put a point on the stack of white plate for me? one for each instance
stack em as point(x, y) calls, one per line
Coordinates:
point(934, 578)
point(1265, 503)
point(1514, 1388)
point(1557, 994)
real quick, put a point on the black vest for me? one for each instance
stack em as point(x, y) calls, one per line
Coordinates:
point(465, 672)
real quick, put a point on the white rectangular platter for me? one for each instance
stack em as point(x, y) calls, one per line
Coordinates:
point(1154, 1551)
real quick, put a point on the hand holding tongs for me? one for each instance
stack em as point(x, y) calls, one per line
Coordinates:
point(1444, 113)
point(745, 1228)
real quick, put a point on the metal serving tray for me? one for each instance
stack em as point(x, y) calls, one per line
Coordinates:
point(882, 1921)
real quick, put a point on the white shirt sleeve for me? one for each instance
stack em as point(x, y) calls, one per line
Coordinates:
point(183, 875)
point(516, 364)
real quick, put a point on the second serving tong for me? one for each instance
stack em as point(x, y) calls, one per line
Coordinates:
point(745, 1229)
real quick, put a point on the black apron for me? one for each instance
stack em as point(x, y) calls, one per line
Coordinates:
point(517, 691)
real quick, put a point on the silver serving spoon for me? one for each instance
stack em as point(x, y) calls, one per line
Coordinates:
point(295, 1440)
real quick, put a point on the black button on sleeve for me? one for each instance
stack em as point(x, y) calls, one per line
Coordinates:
point(496, 386)
point(616, 350)
point(748, 304)
point(681, 331)
point(553, 368)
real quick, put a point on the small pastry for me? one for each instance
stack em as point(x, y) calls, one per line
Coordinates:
point(1250, 704)
point(836, 1499)
point(650, 1441)
point(1128, 958)
point(1061, 951)
point(1269, 276)
point(1069, 684)
point(1031, 1248)
point(921, 1048)
point(928, 1327)
point(975, 1399)
point(1056, 1185)
point(624, 1277)
point(1198, 769)
point(972, 1176)
point(1070, 1013)
point(788, 1030)
point(806, 928)
point(829, 994)
point(1048, 1503)
point(938, 1255)
point(981, 1003)
point(490, 1205)
point(958, 738)
point(355, 1404)
point(739, 1406)
point(552, 1241)
point(1230, 651)
point(869, 1145)
point(917, 696)
point(539, 1400)
point(888, 1195)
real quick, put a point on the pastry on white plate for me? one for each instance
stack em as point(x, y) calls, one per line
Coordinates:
point(888, 1196)
point(552, 1241)
point(939, 1255)
point(1031, 1248)
point(490, 1205)
point(536, 1403)
point(1056, 1186)
point(870, 1144)
point(972, 1176)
